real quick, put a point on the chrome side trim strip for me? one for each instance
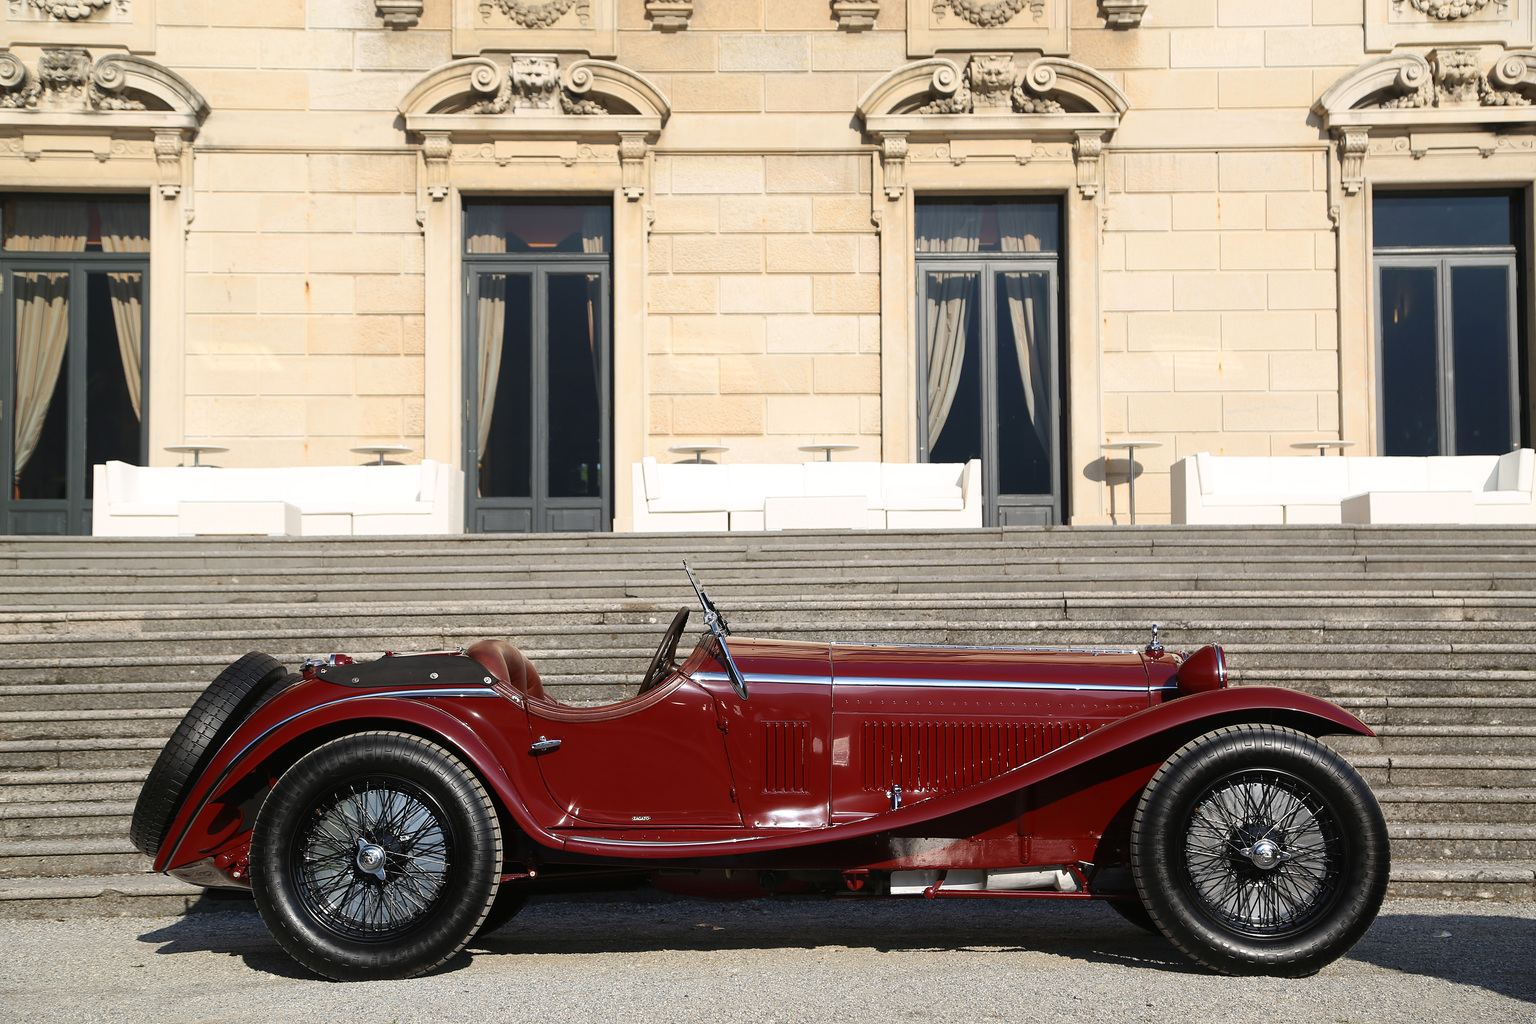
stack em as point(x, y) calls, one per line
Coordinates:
point(720, 677)
point(993, 647)
point(983, 683)
point(760, 677)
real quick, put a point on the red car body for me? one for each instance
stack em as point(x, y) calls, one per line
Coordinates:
point(849, 768)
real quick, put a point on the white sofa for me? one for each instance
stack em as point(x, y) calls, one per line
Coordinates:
point(1354, 489)
point(310, 501)
point(670, 497)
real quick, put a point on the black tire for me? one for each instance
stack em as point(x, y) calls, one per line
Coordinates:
point(1258, 850)
point(376, 856)
point(509, 900)
point(215, 715)
point(1134, 912)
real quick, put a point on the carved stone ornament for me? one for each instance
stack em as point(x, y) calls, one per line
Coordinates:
point(72, 10)
point(997, 106)
point(669, 15)
point(1123, 13)
point(855, 15)
point(66, 80)
point(1409, 99)
point(548, 26)
point(120, 97)
point(399, 14)
point(1450, 10)
point(528, 96)
point(536, 15)
point(993, 82)
point(1448, 23)
point(957, 25)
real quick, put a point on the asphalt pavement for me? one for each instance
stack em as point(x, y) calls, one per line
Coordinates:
point(635, 960)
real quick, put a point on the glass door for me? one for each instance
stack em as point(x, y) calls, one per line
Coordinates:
point(989, 353)
point(537, 366)
point(537, 429)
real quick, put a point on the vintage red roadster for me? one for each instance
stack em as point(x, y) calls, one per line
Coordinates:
point(385, 813)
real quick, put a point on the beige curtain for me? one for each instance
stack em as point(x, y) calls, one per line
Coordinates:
point(492, 313)
point(594, 225)
point(945, 228)
point(42, 334)
point(485, 230)
point(1026, 296)
point(42, 313)
point(125, 228)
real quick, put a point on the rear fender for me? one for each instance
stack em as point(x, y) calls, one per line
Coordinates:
point(221, 807)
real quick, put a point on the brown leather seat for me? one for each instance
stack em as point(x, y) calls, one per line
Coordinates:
point(507, 663)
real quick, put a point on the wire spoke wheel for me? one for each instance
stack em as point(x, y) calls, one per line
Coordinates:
point(372, 859)
point(1263, 854)
point(377, 855)
point(1256, 849)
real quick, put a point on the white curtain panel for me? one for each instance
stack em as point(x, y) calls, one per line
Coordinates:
point(594, 225)
point(42, 334)
point(125, 228)
point(492, 314)
point(947, 228)
point(1019, 229)
point(42, 313)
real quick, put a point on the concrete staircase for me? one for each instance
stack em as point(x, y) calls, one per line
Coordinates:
point(1428, 634)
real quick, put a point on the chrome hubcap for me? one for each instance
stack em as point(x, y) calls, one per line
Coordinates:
point(1264, 854)
point(370, 859)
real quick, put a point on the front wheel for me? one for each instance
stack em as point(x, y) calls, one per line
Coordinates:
point(1258, 850)
point(376, 856)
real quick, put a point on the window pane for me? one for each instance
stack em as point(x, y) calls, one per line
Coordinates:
point(1442, 220)
point(76, 225)
point(987, 227)
point(1409, 376)
point(114, 326)
point(504, 331)
point(1480, 347)
point(40, 438)
point(953, 364)
point(575, 386)
point(536, 228)
point(1024, 415)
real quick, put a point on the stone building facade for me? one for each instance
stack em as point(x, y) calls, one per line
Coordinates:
point(760, 224)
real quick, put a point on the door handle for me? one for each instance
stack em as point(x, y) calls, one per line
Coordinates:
point(543, 746)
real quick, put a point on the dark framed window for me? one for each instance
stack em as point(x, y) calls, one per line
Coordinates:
point(74, 352)
point(1448, 330)
point(989, 350)
point(537, 366)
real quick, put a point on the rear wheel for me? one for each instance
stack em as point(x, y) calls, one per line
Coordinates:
point(376, 856)
point(1258, 850)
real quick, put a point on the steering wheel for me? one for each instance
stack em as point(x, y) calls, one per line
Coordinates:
point(664, 660)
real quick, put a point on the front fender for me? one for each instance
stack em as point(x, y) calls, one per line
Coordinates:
point(466, 723)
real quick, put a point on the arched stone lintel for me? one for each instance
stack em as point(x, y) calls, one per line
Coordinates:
point(1403, 72)
point(939, 77)
point(459, 84)
point(177, 106)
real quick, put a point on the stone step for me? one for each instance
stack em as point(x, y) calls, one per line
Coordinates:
point(1410, 805)
point(1445, 770)
point(66, 786)
point(85, 818)
point(1490, 740)
point(1502, 843)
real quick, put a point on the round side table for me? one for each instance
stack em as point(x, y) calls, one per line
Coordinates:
point(381, 450)
point(698, 451)
point(1323, 446)
point(829, 448)
point(1129, 447)
point(196, 451)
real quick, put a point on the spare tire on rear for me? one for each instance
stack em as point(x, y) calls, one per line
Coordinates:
point(228, 701)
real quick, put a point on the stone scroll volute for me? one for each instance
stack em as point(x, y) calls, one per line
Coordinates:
point(1448, 23)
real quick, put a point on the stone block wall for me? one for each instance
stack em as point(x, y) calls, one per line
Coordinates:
point(763, 328)
point(304, 264)
point(1218, 261)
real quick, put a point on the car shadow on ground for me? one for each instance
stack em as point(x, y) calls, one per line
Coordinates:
point(1091, 934)
point(1459, 948)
